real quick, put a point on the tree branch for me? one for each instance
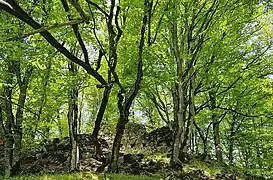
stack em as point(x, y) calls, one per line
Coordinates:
point(77, 33)
point(80, 10)
point(136, 87)
point(28, 109)
point(98, 7)
point(18, 12)
point(54, 26)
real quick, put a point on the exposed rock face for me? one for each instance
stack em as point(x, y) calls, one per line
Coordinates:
point(137, 138)
point(134, 136)
point(53, 156)
point(159, 140)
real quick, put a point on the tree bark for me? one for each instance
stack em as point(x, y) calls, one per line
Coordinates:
point(18, 134)
point(216, 128)
point(9, 140)
point(179, 90)
point(231, 140)
point(123, 120)
point(217, 144)
point(73, 122)
point(125, 100)
point(98, 121)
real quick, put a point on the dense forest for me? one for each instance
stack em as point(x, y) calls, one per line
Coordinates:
point(111, 82)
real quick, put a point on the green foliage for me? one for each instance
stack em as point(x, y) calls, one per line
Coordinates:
point(234, 61)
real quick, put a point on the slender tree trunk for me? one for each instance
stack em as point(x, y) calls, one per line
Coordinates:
point(125, 101)
point(98, 121)
point(204, 140)
point(188, 137)
point(123, 120)
point(205, 149)
point(43, 98)
point(231, 141)
point(18, 134)
point(179, 90)
point(178, 130)
point(9, 140)
point(8, 154)
point(216, 129)
point(18, 131)
point(73, 123)
point(217, 144)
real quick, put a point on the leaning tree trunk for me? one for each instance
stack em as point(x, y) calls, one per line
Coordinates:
point(204, 140)
point(98, 121)
point(123, 120)
point(190, 135)
point(73, 123)
point(179, 125)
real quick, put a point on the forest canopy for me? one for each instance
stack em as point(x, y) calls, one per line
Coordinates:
point(202, 69)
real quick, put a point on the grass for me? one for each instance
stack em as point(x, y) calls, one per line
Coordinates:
point(86, 176)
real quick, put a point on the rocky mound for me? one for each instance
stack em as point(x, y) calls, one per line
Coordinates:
point(53, 155)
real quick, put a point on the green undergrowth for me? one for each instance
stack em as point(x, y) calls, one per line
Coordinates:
point(158, 156)
point(208, 168)
point(85, 176)
point(211, 168)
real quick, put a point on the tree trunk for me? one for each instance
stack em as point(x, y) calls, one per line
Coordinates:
point(73, 123)
point(99, 118)
point(231, 141)
point(189, 131)
point(179, 90)
point(18, 130)
point(205, 149)
point(216, 129)
point(217, 144)
point(125, 100)
point(178, 129)
point(8, 154)
point(123, 120)
point(9, 140)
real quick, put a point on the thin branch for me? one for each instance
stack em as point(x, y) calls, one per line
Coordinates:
point(98, 7)
point(95, 34)
point(134, 90)
point(117, 25)
point(230, 86)
point(235, 111)
point(77, 33)
point(54, 26)
point(77, 6)
point(18, 12)
point(28, 109)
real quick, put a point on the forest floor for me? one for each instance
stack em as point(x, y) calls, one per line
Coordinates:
point(86, 176)
point(50, 162)
point(194, 170)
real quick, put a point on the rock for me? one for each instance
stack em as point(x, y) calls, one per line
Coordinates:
point(161, 137)
point(90, 164)
point(133, 136)
point(128, 158)
point(55, 154)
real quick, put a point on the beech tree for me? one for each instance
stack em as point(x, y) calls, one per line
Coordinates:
point(201, 68)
